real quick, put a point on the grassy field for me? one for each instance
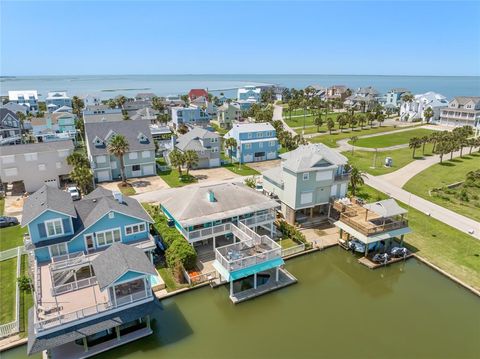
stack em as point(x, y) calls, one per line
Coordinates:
point(243, 170)
point(451, 250)
point(287, 243)
point(444, 174)
point(11, 237)
point(309, 121)
point(8, 279)
point(392, 139)
point(127, 190)
point(2, 206)
point(364, 159)
point(170, 283)
point(331, 140)
point(26, 301)
point(172, 176)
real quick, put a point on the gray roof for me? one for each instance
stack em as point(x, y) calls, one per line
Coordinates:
point(70, 334)
point(130, 129)
point(119, 259)
point(190, 205)
point(103, 117)
point(37, 147)
point(47, 198)
point(386, 208)
point(312, 157)
point(462, 100)
point(4, 112)
point(191, 140)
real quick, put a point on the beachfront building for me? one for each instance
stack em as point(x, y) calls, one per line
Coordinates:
point(36, 164)
point(363, 99)
point(227, 114)
point(393, 98)
point(192, 115)
point(195, 94)
point(337, 92)
point(56, 100)
point(10, 128)
point(26, 98)
point(139, 160)
point(101, 113)
point(205, 143)
point(247, 96)
point(375, 224)
point(92, 271)
point(306, 180)
point(255, 142)
point(54, 126)
point(461, 111)
point(91, 100)
point(414, 110)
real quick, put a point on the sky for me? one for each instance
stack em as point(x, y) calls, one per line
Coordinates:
point(234, 37)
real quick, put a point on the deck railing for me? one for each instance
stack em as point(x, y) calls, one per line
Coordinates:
point(293, 250)
point(69, 287)
point(375, 229)
point(68, 260)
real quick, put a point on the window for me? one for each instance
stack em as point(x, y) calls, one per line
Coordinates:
point(8, 159)
point(306, 176)
point(42, 167)
point(135, 228)
point(306, 197)
point(272, 143)
point(214, 140)
point(58, 165)
point(260, 134)
point(10, 172)
point(249, 135)
point(58, 249)
point(260, 145)
point(111, 215)
point(135, 168)
point(101, 159)
point(63, 153)
point(54, 227)
point(248, 146)
point(324, 175)
point(214, 149)
point(30, 156)
point(133, 155)
point(113, 165)
point(145, 154)
point(108, 237)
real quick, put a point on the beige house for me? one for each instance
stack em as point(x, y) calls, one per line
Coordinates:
point(461, 111)
point(227, 114)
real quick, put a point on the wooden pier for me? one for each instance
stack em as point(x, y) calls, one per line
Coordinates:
point(374, 265)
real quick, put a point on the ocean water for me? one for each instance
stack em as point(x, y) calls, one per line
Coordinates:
point(107, 86)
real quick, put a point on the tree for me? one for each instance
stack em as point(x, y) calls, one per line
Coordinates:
point(83, 177)
point(330, 125)
point(414, 143)
point(428, 114)
point(182, 129)
point(231, 145)
point(77, 106)
point(342, 121)
point(353, 139)
point(118, 146)
point(163, 118)
point(425, 140)
point(371, 118)
point(380, 118)
point(121, 101)
point(356, 179)
point(157, 104)
point(407, 97)
point(177, 160)
point(318, 121)
point(77, 159)
point(191, 159)
point(361, 119)
point(443, 147)
point(251, 182)
point(112, 103)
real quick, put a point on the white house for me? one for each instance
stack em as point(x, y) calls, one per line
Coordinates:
point(410, 111)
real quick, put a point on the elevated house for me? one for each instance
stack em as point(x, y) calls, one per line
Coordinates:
point(15, 107)
point(364, 99)
point(247, 96)
point(192, 115)
point(91, 265)
point(205, 143)
point(36, 164)
point(414, 110)
point(145, 96)
point(227, 115)
point(306, 181)
point(461, 111)
point(54, 126)
point(255, 142)
point(337, 92)
point(139, 160)
point(101, 113)
point(91, 100)
point(393, 98)
point(56, 100)
point(26, 98)
point(10, 128)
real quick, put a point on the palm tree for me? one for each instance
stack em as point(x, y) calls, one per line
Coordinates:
point(330, 125)
point(191, 159)
point(434, 138)
point(77, 105)
point(353, 140)
point(118, 146)
point(111, 103)
point(407, 97)
point(356, 179)
point(424, 140)
point(157, 104)
point(414, 143)
point(443, 147)
point(77, 159)
point(370, 118)
point(342, 121)
point(428, 114)
point(318, 121)
point(83, 177)
point(231, 145)
point(380, 117)
point(121, 101)
point(177, 160)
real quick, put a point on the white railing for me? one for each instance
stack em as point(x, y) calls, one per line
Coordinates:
point(199, 278)
point(64, 288)
point(11, 253)
point(293, 250)
point(68, 260)
point(14, 326)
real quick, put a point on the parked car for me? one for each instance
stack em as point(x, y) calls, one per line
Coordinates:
point(74, 192)
point(8, 221)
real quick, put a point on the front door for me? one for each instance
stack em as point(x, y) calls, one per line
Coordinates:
point(90, 243)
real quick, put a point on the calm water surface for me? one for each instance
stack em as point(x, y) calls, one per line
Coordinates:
point(339, 309)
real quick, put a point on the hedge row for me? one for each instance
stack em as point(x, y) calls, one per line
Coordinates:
point(289, 231)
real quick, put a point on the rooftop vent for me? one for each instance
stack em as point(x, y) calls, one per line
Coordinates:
point(118, 196)
point(210, 196)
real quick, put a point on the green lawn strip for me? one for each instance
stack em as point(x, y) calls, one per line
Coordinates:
point(127, 190)
point(2, 206)
point(393, 139)
point(287, 243)
point(363, 160)
point(242, 170)
point(26, 301)
point(170, 283)
point(331, 139)
point(172, 177)
point(309, 121)
point(449, 172)
point(11, 237)
point(8, 280)
point(446, 247)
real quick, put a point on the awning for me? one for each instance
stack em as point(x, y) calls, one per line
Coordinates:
point(372, 239)
point(245, 272)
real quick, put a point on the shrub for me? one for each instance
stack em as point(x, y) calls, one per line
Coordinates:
point(181, 251)
point(24, 283)
point(289, 231)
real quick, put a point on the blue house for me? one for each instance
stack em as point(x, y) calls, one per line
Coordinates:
point(58, 99)
point(193, 115)
point(92, 272)
point(255, 142)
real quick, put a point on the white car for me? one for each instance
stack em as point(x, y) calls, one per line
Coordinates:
point(74, 193)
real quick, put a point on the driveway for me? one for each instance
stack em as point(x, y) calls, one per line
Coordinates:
point(13, 206)
point(141, 185)
point(265, 165)
point(207, 175)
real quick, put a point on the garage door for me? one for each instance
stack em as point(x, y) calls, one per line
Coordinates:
point(214, 162)
point(148, 170)
point(103, 176)
point(52, 183)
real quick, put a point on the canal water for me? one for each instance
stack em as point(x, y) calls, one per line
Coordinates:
point(339, 309)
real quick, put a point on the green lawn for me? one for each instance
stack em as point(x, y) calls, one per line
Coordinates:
point(364, 159)
point(26, 301)
point(453, 251)
point(440, 175)
point(11, 237)
point(8, 279)
point(392, 139)
point(331, 140)
point(127, 190)
point(170, 283)
point(309, 121)
point(287, 243)
point(2, 206)
point(242, 170)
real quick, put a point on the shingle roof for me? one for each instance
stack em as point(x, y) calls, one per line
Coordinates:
point(310, 157)
point(129, 129)
point(252, 127)
point(191, 140)
point(462, 100)
point(37, 147)
point(119, 259)
point(47, 198)
point(198, 93)
point(190, 205)
point(385, 208)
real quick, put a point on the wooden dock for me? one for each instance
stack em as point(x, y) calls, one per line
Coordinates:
point(373, 265)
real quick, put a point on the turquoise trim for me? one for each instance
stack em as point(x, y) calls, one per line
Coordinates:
point(245, 272)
